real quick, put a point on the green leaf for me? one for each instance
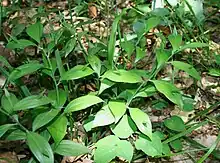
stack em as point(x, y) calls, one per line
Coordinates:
point(35, 31)
point(5, 62)
point(151, 23)
point(112, 40)
point(5, 128)
point(142, 120)
point(105, 84)
point(124, 128)
point(175, 123)
point(187, 68)
point(88, 123)
point(24, 70)
point(149, 90)
point(139, 54)
point(16, 135)
point(214, 72)
point(122, 76)
point(103, 117)
point(162, 56)
point(95, 63)
point(43, 119)
point(58, 128)
point(150, 147)
point(117, 108)
point(125, 150)
point(82, 102)
point(40, 147)
point(32, 102)
point(62, 98)
point(166, 149)
point(176, 145)
point(59, 62)
point(70, 45)
point(106, 151)
point(129, 47)
point(175, 40)
point(70, 148)
point(77, 72)
point(17, 29)
point(193, 45)
point(170, 91)
point(8, 101)
point(19, 44)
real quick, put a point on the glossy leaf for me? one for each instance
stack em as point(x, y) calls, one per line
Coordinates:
point(117, 108)
point(44, 118)
point(170, 91)
point(175, 40)
point(77, 72)
point(150, 147)
point(5, 128)
point(58, 128)
point(23, 70)
point(19, 44)
point(124, 128)
point(106, 151)
point(82, 102)
point(40, 147)
point(214, 72)
point(70, 148)
point(142, 120)
point(32, 102)
point(187, 68)
point(62, 97)
point(175, 123)
point(103, 117)
point(122, 76)
point(35, 31)
point(95, 63)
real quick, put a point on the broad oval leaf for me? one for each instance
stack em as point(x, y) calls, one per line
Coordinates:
point(70, 148)
point(77, 72)
point(35, 31)
point(105, 84)
point(5, 128)
point(187, 68)
point(170, 91)
point(24, 70)
point(142, 120)
point(152, 22)
point(124, 128)
point(122, 76)
point(44, 118)
point(118, 109)
point(103, 117)
point(175, 123)
point(151, 147)
point(58, 128)
point(32, 102)
point(106, 151)
point(40, 147)
point(82, 102)
point(19, 44)
point(18, 29)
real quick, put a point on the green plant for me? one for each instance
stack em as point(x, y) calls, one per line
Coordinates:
point(111, 105)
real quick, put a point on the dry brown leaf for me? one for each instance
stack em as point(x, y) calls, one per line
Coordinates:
point(93, 12)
